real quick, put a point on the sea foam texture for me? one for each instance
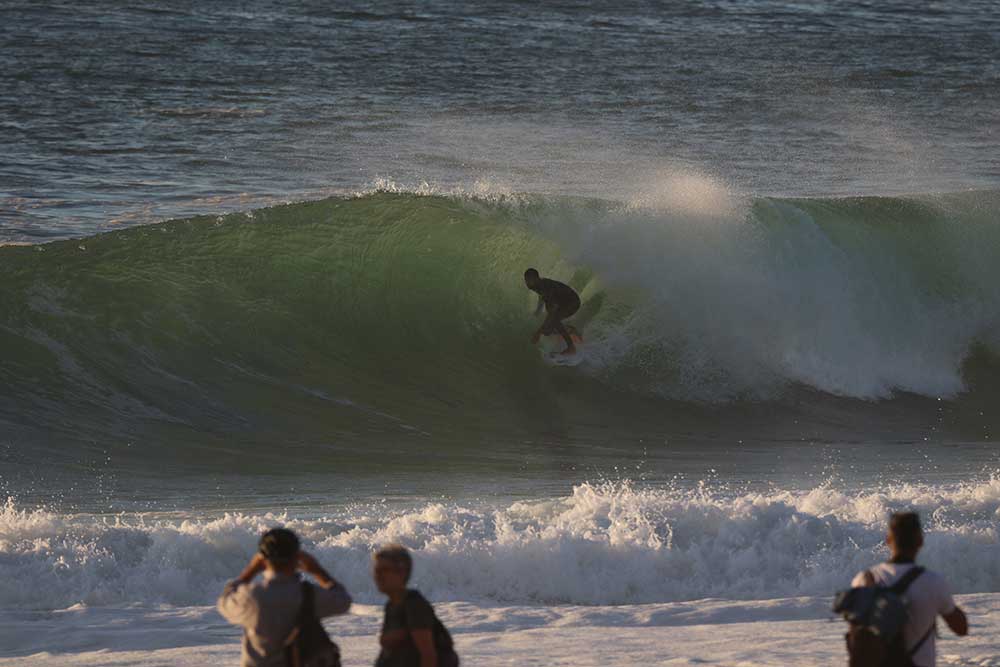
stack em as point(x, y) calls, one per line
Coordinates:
point(602, 544)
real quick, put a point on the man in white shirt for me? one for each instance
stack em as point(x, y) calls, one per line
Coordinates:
point(268, 610)
point(929, 594)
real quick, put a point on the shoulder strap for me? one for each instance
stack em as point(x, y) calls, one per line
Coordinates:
point(308, 608)
point(927, 635)
point(900, 586)
point(305, 612)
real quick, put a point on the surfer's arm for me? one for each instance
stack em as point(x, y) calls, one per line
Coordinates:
point(541, 304)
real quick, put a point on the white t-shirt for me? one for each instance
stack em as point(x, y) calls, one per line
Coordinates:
point(929, 597)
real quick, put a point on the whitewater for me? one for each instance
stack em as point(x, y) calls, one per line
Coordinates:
point(661, 572)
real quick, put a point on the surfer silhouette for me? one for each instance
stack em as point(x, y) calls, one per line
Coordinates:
point(560, 300)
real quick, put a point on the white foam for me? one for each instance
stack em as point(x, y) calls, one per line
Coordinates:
point(796, 632)
point(602, 544)
point(487, 189)
point(726, 305)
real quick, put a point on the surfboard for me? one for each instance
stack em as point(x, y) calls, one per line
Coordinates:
point(551, 347)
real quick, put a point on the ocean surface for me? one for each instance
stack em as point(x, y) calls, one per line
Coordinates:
point(260, 264)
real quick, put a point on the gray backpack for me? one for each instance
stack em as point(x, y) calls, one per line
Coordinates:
point(877, 615)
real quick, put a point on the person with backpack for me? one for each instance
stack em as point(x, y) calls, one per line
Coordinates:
point(280, 614)
point(412, 635)
point(893, 607)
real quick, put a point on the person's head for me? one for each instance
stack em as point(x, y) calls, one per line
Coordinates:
point(391, 568)
point(905, 536)
point(531, 278)
point(280, 548)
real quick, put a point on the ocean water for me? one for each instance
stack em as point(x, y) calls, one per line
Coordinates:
point(260, 264)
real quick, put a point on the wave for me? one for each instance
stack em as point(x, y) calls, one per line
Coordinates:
point(393, 311)
point(602, 544)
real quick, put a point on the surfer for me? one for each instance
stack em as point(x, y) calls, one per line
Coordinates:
point(560, 301)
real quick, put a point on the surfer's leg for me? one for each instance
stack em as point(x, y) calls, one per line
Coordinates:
point(570, 345)
point(568, 331)
point(551, 323)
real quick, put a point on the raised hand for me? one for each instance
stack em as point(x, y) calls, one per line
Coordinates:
point(309, 565)
point(257, 565)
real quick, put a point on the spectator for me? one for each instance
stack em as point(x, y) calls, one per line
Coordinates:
point(928, 593)
point(412, 635)
point(268, 610)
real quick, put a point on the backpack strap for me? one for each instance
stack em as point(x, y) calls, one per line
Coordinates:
point(306, 610)
point(923, 640)
point(900, 586)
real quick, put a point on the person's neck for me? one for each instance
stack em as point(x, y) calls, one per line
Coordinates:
point(397, 596)
point(903, 559)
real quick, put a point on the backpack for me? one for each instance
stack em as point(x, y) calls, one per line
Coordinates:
point(877, 615)
point(308, 645)
point(444, 645)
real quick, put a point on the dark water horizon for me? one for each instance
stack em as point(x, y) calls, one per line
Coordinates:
point(116, 114)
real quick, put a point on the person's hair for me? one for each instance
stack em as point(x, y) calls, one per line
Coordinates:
point(398, 556)
point(531, 273)
point(905, 530)
point(280, 546)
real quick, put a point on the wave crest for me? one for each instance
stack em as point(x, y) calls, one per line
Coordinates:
point(386, 307)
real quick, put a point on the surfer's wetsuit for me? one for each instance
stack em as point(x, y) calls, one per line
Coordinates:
point(561, 301)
